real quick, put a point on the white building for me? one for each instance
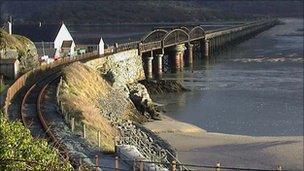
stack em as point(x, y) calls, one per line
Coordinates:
point(64, 36)
point(91, 44)
point(48, 39)
point(56, 40)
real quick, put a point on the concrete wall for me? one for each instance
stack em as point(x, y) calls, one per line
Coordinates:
point(125, 67)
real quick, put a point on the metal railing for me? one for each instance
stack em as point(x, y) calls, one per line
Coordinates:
point(138, 164)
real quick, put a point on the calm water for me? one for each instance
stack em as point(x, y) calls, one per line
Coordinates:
point(256, 88)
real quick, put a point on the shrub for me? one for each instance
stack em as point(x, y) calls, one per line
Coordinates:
point(19, 151)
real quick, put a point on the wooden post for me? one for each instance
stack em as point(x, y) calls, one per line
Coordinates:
point(98, 136)
point(115, 145)
point(72, 124)
point(96, 162)
point(84, 130)
point(116, 163)
point(173, 166)
point(218, 165)
point(141, 165)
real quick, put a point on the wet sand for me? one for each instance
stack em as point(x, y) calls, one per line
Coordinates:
point(197, 146)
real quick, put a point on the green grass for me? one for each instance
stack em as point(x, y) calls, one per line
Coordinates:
point(2, 87)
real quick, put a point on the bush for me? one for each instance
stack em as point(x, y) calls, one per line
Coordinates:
point(19, 151)
point(2, 86)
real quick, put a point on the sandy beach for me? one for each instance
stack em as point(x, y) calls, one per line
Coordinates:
point(197, 146)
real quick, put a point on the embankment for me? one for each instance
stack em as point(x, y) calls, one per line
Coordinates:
point(88, 98)
point(107, 94)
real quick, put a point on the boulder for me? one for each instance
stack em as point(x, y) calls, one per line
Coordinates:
point(19, 47)
point(142, 101)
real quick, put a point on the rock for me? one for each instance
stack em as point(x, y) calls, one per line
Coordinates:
point(112, 78)
point(142, 101)
point(20, 47)
point(163, 86)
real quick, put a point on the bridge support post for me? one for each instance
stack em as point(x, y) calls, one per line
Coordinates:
point(159, 60)
point(190, 54)
point(149, 69)
point(178, 62)
point(206, 50)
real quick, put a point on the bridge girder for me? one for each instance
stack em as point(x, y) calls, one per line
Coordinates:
point(197, 33)
point(154, 36)
point(174, 37)
point(186, 29)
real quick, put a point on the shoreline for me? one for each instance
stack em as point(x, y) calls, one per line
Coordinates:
point(198, 146)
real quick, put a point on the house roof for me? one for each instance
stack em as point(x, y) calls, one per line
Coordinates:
point(46, 32)
point(87, 41)
point(48, 51)
point(66, 44)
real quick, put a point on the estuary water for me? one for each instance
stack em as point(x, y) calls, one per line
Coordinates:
point(254, 88)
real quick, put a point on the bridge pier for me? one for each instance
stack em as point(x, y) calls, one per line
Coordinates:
point(178, 58)
point(190, 54)
point(149, 67)
point(206, 49)
point(159, 62)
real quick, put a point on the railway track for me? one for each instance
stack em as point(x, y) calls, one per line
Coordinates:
point(35, 117)
point(30, 106)
point(31, 112)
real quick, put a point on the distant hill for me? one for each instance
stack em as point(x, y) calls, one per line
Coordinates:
point(99, 12)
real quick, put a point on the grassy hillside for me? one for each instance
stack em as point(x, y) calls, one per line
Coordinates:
point(146, 11)
point(87, 97)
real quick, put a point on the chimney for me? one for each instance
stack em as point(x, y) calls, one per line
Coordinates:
point(10, 26)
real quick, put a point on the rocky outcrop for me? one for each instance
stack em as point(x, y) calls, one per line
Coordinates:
point(120, 68)
point(163, 86)
point(20, 47)
point(123, 70)
point(142, 101)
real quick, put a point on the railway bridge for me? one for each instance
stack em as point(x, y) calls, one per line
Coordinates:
point(177, 44)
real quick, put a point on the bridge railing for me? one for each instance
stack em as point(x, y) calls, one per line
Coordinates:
point(126, 46)
point(239, 27)
point(150, 46)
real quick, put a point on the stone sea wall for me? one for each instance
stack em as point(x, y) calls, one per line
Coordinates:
point(124, 67)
